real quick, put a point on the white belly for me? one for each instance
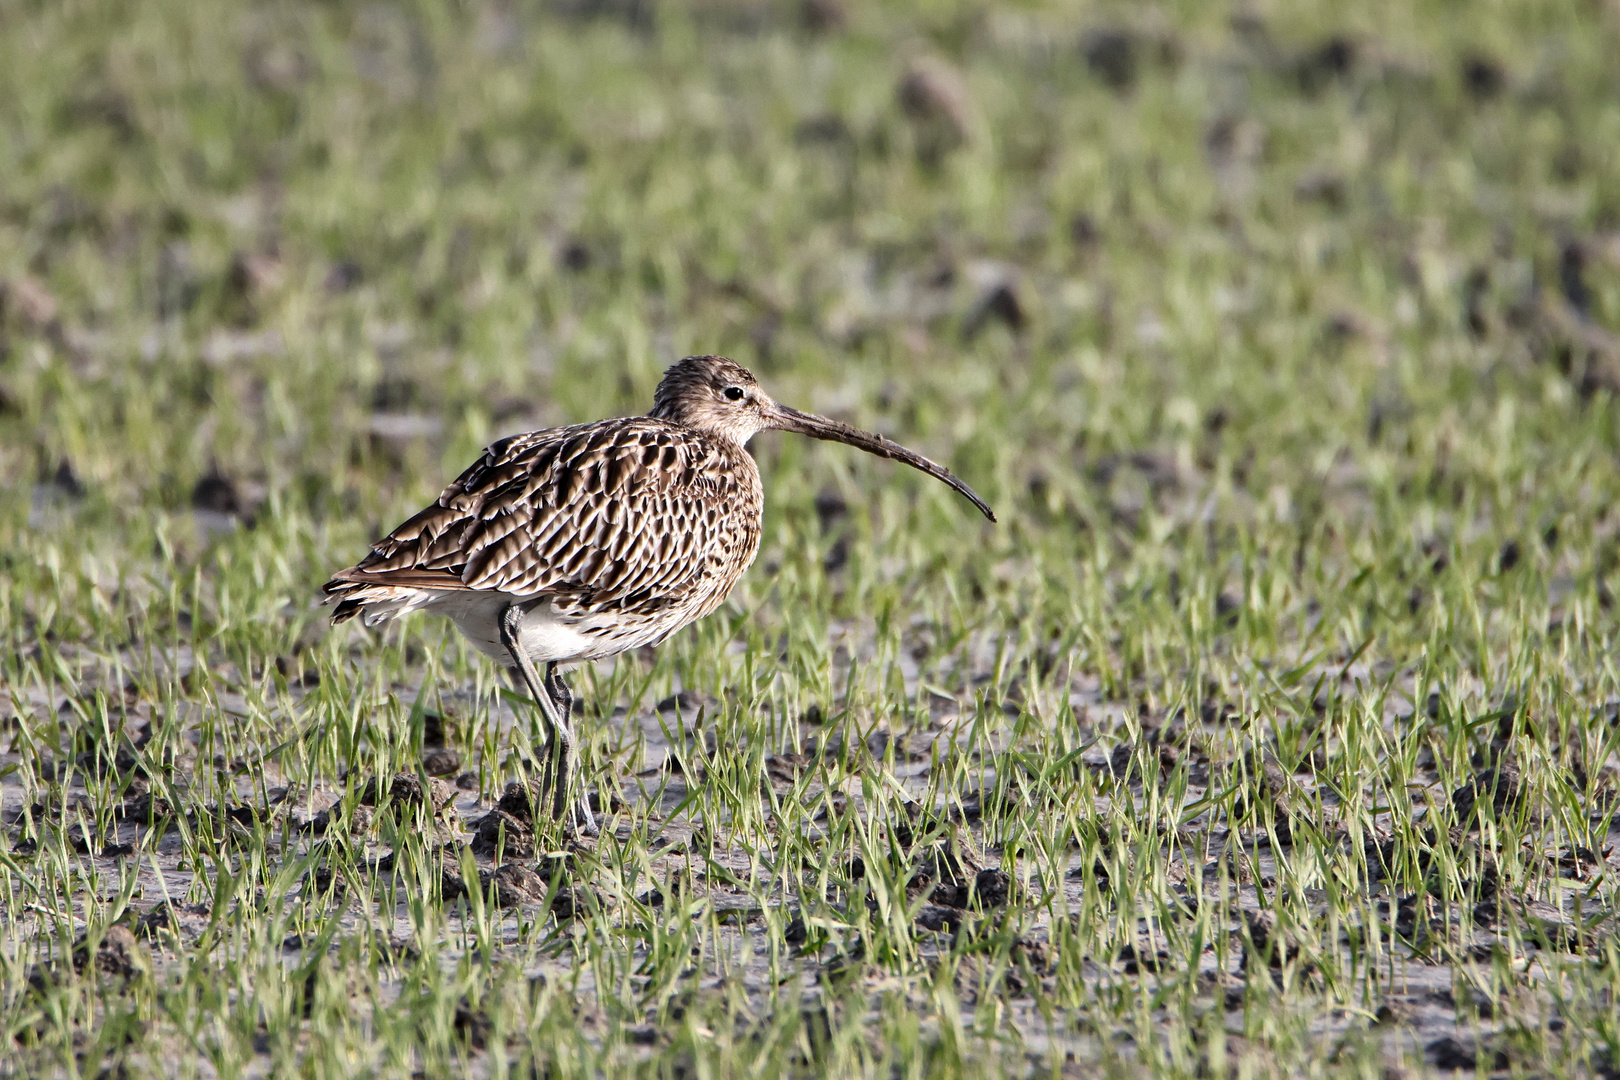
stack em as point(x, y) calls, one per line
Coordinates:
point(545, 635)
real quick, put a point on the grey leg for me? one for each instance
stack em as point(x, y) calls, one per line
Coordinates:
point(567, 758)
point(538, 755)
point(562, 744)
point(511, 621)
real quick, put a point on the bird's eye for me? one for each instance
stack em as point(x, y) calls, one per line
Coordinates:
point(734, 393)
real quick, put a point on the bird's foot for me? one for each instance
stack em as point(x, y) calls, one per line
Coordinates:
point(581, 823)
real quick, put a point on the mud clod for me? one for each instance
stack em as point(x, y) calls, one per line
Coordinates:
point(158, 919)
point(146, 809)
point(509, 827)
point(1138, 960)
point(452, 885)
point(1453, 1054)
point(946, 873)
point(689, 703)
point(1035, 952)
point(517, 885)
point(117, 954)
point(441, 761)
point(407, 789)
point(940, 918)
point(991, 888)
point(1497, 787)
point(1263, 945)
point(472, 1026)
point(576, 901)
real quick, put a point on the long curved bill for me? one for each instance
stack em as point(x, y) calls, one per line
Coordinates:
point(819, 427)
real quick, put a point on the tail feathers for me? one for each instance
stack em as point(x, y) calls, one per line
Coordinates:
point(373, 603)
point(346, 610)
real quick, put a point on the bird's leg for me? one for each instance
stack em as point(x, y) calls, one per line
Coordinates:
point(566, 759)
point(539, 690)
point(555, 700)
point(539, 754)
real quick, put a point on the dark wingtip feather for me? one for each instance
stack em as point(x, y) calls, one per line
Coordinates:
point(346, 610)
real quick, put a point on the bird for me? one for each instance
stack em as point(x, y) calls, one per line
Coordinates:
point(573, 544)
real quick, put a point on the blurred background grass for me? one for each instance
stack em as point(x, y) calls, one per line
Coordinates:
point(1030, 235)
point(1173, 285)
point(1271, 330)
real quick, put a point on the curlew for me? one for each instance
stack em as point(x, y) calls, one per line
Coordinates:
point(573, 544)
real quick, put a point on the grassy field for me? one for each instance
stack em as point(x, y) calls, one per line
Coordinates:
point(1273, 731)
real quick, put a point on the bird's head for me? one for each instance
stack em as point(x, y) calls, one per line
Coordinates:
point(713, 395)
point(723, 400)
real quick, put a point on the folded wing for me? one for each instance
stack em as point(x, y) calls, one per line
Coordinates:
point(621, 514)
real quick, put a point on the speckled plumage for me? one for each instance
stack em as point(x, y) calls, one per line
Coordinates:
point(628, 528)
point(574, 544)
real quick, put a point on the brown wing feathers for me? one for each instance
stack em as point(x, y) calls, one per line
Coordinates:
point(605, 512)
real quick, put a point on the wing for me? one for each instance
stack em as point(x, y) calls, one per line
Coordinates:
point(621, 513)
